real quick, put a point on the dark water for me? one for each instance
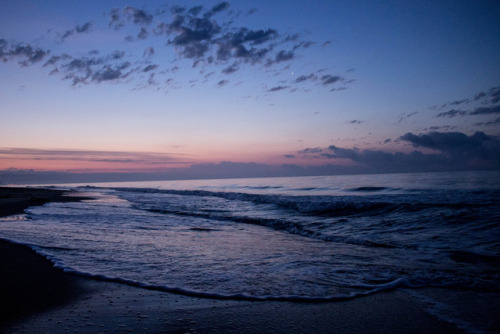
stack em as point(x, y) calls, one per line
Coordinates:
point(308, 238)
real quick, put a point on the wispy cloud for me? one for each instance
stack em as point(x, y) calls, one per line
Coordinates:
point(110, 159)
point(482, 104)
point(77, 30)
point(277, 88)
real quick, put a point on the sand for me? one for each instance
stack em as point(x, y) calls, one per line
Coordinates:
point(35, 297)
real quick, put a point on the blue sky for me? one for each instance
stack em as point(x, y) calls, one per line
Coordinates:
point(194, 89)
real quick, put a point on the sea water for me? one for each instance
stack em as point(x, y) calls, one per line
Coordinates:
point(303, 238)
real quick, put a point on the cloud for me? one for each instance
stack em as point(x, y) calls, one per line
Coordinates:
point(486, 110)
point(77, 30)
point(330, 79)
point(138, 16)
point(302, 78)
point(150, 68)
point(216, 9)
point(355, 121)
point(457, 144)
point(148, 52)
point(222, 83)
point(451, 113)
point(488, 104)
point(26, 54)
point(277, 88)
point(76, 159)
point(477, 111)
point(96, 69)
point(143, 34)
point(289, 156)
point(311, 150)
point(198, 34)
point(494, 122)
point(195, 10)
point(459, 102)
point(230, 69)
point(490, 96)
point(284, 56)
point(454, 151)
point(404, 116)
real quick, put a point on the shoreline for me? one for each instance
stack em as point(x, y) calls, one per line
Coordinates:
point(37, 297)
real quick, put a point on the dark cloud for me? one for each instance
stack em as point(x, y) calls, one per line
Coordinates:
point(77, 30)
point(486, 110)
point(488, 101)
point(355, 121)
point(216, 9)
point(494, 122)
point(108, 73)
point(245, 45)
point(84, 70)
point(284, 56)
point(479, 96)
point(222, 83)
point(148, 52)
point(198, 34)
point(177, 10)
point(277, 88)
point(444, 128)
point(302, 78)
point(150, 68)
point(115, 19)
point(26, 54)
point(330, 79)
point(138, 16)
point(195, 10)
point(455, 151)
point(459, 102)
point(289, 156)
point(404, 116)
point(143, 34)
point(451, 113)
point(254, 37)
point(458, 146)
point(495, 94)
point(490, 96)
point(303, 45)
point(230, 69)
point(193, 36)
point(311, 150)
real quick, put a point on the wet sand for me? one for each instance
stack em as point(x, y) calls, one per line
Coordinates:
point(35, 297)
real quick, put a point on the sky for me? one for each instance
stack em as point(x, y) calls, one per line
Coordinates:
point(122, 90)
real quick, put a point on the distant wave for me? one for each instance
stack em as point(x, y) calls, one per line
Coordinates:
point(333, 206)
point(371, 189)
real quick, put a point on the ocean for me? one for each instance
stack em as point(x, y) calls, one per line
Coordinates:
point(300, 239)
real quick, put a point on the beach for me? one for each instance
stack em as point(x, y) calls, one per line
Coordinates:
point(38, 298)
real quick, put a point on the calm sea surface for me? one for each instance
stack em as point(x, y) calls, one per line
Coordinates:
point(303, 238)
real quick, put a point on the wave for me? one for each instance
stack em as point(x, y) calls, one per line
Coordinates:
point(277, 224)
point(327, 206)
point(371, 189)
point(361, 289)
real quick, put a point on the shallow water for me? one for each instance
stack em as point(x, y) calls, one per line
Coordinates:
point(305, 238)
